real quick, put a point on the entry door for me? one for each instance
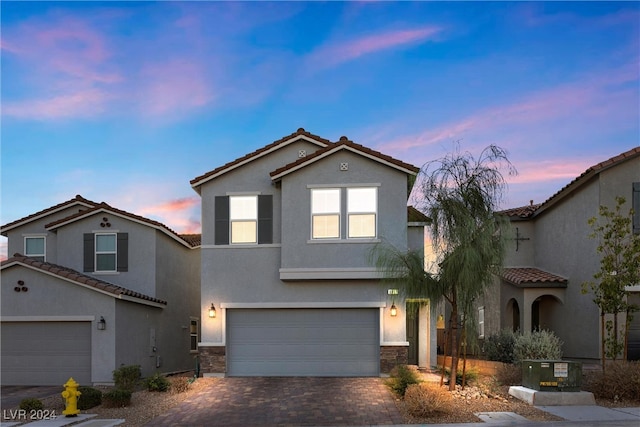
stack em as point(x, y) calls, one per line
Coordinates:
point(412, 338)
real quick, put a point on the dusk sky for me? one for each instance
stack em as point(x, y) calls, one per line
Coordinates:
point(127, 102)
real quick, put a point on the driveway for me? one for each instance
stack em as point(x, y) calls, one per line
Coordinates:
point(287, 401)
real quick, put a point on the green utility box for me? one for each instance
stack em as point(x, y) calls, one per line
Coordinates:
point(552, 375)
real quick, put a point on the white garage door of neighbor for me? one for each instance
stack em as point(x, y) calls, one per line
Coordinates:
point(303, 342)
point(46, 353)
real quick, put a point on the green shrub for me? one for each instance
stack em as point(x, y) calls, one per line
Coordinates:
point(425, 399)
point(470, 375)
point(117, 398)
point(540, 344)
point(620, 382)
point(127, 377)
point(157, 383)
point(499, 347)
point(89, 398)
point(31, 404)
point(402, 377)
point(180, 384)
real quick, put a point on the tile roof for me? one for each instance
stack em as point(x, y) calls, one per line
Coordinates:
point(414, 215)
point(193, 239)
point(343, 143)
point(104, 207)
point(529, 277)
point(78, 200)
point(521, 212)
point(267, 148)
point(79, 278)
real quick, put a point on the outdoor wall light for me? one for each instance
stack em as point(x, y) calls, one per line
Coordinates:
point(212, 311)
point(102, 324)
point(394, 310)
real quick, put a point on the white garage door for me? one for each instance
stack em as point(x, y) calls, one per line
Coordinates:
point(303, 342)
point(46, 353)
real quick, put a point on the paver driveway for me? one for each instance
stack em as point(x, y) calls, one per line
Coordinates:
point(287, 401)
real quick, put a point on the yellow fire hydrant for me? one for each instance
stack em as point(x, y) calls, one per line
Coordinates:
point(71, 395)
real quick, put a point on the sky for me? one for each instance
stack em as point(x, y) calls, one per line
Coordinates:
point(126, 102)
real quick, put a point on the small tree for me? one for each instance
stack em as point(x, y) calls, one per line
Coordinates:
point(619, 267)
point(460, 194)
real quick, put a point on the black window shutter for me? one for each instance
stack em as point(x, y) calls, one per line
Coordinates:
point(123, 252)
point(265, 219)
point(635, 203)
point(221, 212)
point(88, 252)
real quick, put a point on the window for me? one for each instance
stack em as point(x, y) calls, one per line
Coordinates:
point(361, 212)
point(193, 335)
point(106, 252)
point(34, 247)
point(243, 219)
point(481, 322)
point(635, 204)
point(325, 213)
point(243, 215)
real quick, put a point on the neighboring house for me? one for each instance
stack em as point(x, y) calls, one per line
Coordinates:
point(90, 288)
point(551, 256)
point(286, 235)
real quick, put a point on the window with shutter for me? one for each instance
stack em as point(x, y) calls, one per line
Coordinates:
point(636, 207)
point(106, 252)
point(243, 219)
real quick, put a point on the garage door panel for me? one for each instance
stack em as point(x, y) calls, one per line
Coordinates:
point(46, 353)
point(303, 342)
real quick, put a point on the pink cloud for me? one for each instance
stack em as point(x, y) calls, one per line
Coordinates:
point(4, 247)
point(84, 103)
point(338, 52)
point(178, 85)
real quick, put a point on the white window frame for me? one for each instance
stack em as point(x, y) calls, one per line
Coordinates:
point(96, 252)
point(244, 220)
point(356, 212)
point(481, 322)
point(315, 213)
point(43, 255)
point(193, 334)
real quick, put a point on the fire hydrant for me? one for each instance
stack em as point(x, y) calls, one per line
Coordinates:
point(71, 395)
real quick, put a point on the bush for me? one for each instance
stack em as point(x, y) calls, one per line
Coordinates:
point(509, 374)
point(117, 398)
point(541, 344)
point(89, 398)
point(621, 381)
point(427, 398)
point(402, 377)
point(499, 347)
point(127, 377)
point(31, 404)
point(470, 375)
point(157, 383)
point(179, 384)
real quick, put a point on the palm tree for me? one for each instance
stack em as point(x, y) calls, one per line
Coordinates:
point(460, 195)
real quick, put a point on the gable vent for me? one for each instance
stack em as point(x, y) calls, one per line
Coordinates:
point(302, 153)
point(344, 166)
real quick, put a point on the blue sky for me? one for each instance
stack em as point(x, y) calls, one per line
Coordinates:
point(127, 102)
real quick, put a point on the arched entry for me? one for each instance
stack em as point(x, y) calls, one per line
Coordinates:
point(513, 315)
point(542, 310)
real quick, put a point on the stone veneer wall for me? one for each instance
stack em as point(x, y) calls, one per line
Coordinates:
point(391, 356)
point(213, 360)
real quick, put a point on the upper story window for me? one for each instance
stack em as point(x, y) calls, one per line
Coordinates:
point(35, 247)
point(361, 212)
point(362, 206)
point(243, 219)
point(243, 215)
point(325, 213)
point(106, 252)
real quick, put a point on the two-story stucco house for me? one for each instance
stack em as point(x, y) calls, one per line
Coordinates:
point(89, 288)
point(287, 285)
point(552, 255)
